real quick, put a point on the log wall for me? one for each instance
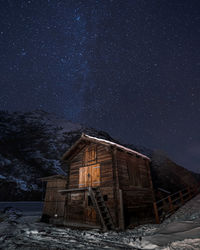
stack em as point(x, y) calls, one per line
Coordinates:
point(78, 208)
point(136, 185)
point(125, 183)
point(54, 202)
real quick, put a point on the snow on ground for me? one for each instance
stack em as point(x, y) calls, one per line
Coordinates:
point(181, 231)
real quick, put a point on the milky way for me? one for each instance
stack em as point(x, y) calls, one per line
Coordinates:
point(130, 67)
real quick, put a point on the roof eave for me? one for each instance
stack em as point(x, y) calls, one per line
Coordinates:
point(95, 140)
point(68, 152)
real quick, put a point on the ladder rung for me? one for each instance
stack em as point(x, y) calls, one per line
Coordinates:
point(100, 201)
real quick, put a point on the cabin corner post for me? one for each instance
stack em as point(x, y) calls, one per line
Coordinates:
point(148, 164)
point(121, 220)
point(155, 209)
point(157, 219)
point(119, 212)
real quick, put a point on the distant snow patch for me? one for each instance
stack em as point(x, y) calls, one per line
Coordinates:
point(20, 183)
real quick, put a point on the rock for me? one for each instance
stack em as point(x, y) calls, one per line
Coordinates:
point(12, 214)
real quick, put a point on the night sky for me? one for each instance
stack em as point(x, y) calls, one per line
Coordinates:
point(129, 67)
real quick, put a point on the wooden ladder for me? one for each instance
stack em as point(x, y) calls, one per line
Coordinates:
point(101, 208)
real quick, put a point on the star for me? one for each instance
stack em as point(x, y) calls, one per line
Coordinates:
point(130, 68)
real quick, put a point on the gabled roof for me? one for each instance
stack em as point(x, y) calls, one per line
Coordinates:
point(85, 137)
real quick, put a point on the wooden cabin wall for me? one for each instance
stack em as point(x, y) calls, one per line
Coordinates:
point(133, 171)
point(107, 182)
point(103, 157)
point(75, 164)
point(136, 185)
point(76, 204)
point(77, 207)
point(54, 202)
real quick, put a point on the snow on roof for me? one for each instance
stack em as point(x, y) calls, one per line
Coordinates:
point(116, 145)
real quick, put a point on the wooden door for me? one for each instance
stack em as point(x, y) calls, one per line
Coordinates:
point(95, 174)
point(91, 214)
point(90, 211)
point(89, 176)
point(82, 177)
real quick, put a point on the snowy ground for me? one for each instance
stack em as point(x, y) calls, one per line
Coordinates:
point(181, 231)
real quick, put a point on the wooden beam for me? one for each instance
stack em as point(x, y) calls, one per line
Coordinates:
point(181, 197)
point(92, 195)
point(121, 221)
point(170, 203)
point(53, 177)
point(116, 187)
point(72, 190)
point(156, 213)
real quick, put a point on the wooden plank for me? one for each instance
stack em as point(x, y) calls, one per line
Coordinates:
point(170, 203)
point(90, 155)
point(95, 173)
point(106, 162)
point(156, 213)
point(116, 186)
point(73, 190)
point(181, 197)
point(82, 177)
point(121, 221)
point(92, 195)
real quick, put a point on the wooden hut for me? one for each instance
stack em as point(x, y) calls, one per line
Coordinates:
point(54, 202)
point(108, 186)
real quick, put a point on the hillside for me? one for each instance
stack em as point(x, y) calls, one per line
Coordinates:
point(32, 143)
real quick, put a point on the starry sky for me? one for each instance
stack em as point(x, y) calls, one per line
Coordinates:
point(129, 67)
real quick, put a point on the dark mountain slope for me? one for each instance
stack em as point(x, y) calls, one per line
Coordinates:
point(31, 145)
point(168, 175)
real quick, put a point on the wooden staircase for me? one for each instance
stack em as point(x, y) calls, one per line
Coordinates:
point(101, 208)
